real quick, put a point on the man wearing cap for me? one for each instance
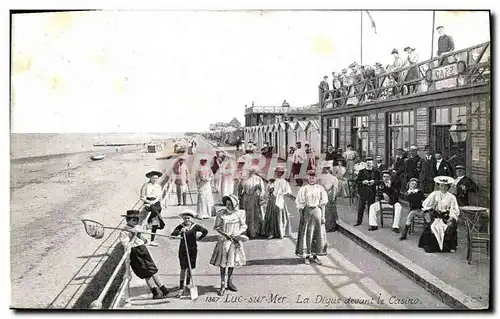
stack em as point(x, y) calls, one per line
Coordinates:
point(151, 197)
point(311, 234)
point(331, 185)
point(462, 186)
point(445, 44)
point(441, 166)
point(324, 90)
point(331, 155)
point(299, 157)
point(412, 164)
point(426, 175)
point(380, 164)
point(441, 209)
point(366, 181)
point(388, 192)
point(180, 176)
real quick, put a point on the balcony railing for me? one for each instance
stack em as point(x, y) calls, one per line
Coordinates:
point(467, 67)
point(281, 110)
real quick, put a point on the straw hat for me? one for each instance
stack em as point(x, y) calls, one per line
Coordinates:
point(150, 174)
point(132, 213)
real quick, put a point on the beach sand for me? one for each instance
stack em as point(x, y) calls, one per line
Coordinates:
point(48, 240)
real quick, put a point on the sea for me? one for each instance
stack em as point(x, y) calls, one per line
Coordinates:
point(31, 145)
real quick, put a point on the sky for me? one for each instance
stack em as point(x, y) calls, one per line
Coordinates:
point(172, 71)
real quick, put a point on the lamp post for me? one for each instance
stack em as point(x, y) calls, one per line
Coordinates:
point(362, 132)
point(458, 131)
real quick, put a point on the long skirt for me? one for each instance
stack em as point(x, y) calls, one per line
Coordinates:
point(277, 221)
point(311, 237)
point(254, 216)
point(228, 254)
point(429, 242)
point(227, 185)
point(183, 257)
point(141, 262)
point(331, 217)
point(205, 207)
point(343, 190)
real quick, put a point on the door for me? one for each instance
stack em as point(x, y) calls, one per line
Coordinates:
point(455, 153)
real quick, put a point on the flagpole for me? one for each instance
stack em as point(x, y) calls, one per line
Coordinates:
point(361, 63)
point(433, 28)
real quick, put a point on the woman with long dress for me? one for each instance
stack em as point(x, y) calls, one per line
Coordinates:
point(253, 195)
point(441, 212)
point(205, 207)
point(351, 157)
point(277, 219)
point(228, 252)
point(340, 172)
point(330, 183)
point(311, 238)
point(227, 178)
point(240, 176)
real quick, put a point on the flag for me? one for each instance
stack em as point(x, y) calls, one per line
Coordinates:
point(372, 22)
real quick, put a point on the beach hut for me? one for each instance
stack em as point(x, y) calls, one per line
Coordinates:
point(300, 130)
point(292, 134)
point(282, 145)
point(312, 134)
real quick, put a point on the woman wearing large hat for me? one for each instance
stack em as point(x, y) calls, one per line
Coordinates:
point(253, 195)
point(151, 195)
point(277, 219)
point(228, 252)
point(441, 212)
point(311, 238)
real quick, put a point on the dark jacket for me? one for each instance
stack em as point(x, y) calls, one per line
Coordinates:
point(445, 44)
point(365, 191)
point(331, 157)
point(463, 195)
point(215, 165)
point(445, 169)
point(412, 167)
point(190, 236)
point(415, 199)
point(392, 191)
point(399, 165)
point(426, 176)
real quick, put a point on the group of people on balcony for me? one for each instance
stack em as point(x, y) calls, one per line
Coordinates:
point(351, 82)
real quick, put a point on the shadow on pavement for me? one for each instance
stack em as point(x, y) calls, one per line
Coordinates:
point(99, 280)
point(278, 261)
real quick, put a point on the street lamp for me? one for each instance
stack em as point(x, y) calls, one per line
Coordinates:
point(458, 132)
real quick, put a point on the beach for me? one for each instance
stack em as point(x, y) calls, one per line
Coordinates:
point(48, 199)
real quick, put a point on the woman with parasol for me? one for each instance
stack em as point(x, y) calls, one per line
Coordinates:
point(441, 212)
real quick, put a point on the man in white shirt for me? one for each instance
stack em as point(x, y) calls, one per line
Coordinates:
point(299, 157)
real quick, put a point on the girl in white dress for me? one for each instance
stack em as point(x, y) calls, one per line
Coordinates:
point(228, 252)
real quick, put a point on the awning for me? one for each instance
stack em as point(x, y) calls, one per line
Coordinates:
point(282, 126)
point(302, 124)
point(313, 125)
point(275, 127)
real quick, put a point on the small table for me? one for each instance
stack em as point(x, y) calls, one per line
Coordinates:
point(477, 222)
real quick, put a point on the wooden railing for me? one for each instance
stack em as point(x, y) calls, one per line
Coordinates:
point(281, 110)
point(467, 67)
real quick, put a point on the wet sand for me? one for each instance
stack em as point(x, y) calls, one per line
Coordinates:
point(48, 240)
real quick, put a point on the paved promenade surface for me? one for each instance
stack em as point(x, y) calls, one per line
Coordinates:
point(274, 278)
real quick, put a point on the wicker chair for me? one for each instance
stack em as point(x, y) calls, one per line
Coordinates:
point(478, 235)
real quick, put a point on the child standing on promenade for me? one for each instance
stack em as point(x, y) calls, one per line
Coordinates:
point(140, 260)
point(189, 228)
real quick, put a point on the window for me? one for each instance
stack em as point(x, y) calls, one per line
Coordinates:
point(359, 135)
point(401, 132)
point(449, 115)
point(335, 133)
